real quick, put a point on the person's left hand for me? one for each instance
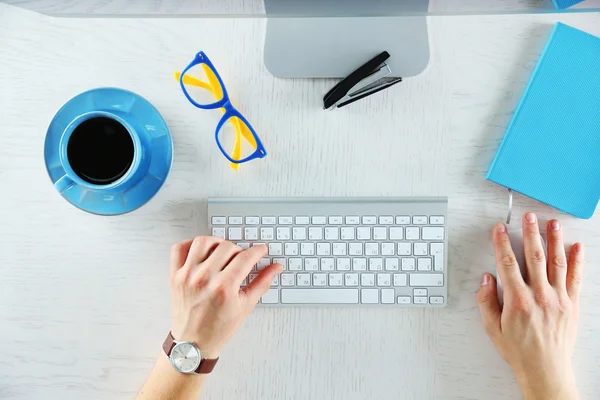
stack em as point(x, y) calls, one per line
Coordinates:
point(208, 305)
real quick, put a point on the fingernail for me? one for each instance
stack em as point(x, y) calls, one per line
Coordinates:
point(555, 225)
point(530, 217)
point(579, 248)
point(485, 279)
point(500, 228)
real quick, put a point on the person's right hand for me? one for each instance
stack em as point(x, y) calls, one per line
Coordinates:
point(535, 331)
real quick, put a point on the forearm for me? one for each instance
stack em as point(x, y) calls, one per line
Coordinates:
point(165, 383)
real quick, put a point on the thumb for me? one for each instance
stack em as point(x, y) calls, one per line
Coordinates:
point(487, 298)
point(257, 288)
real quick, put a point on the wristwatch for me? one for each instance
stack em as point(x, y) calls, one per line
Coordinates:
point(186, 357)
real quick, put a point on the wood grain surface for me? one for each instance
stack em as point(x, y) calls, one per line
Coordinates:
point(84, 300)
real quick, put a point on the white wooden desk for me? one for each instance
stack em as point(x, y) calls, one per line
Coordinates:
point(84, 300)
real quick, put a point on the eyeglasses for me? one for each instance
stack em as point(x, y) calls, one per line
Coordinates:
point(203, 87)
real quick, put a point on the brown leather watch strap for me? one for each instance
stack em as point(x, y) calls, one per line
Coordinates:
point(206, 365)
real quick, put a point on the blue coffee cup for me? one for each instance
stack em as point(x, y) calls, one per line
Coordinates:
point(108, 151)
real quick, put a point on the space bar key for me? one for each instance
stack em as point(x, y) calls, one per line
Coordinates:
point(319, 296)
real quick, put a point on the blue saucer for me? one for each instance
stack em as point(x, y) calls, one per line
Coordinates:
point(141, 185)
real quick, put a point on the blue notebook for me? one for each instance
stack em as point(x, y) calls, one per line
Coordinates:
point(551, 149)
point(562, 4)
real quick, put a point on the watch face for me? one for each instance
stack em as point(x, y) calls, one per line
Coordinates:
point(185, 357)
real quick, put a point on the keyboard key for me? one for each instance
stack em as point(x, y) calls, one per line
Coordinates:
point(367, 279)
point(219, 220)
point(351, 279)
point(353, 220)
point(347, 233)
point(399, 280)
point(420, 249)
point(284, 233)
point(263, 263)
point(335, 279)
point(323, 249)
point(320, 280)
point(302, 220)
point(295, 264)
point(269, 220)
point(235, 233)
point(437, 251)
point(424, 264)
point(327, 264)
point(437, 220)
point(420, 292)
point(275, 249)
point(286, 220)
point(403, 220)
point(252, 221)
point(343, 264)
point(363, 233)
point(258, 244)
point(244, 283)
point(275, 281)
point(332, 233)
point(291, 249)
point(335, 220)
point(433, 233)
point(412, 233)
point(250, 233)
point(359, 264)
point(420, 220)
point(404, 249)
point(380, 233)
point(307, 249)
point(424, 280)
point(319, 220)
point(391, 264)
point(355, 249)
point(436, 300)
point(340, 249)
point(375, 264)
point(384, 279)
point(315, 233)
point(251, 277)
point(270, 297)
point(299, 233)
point(396, 233)
point(386, 220)
point(282, 261)
point(288, 279)
point(369, 296)
point(311, 264)
point(303, 279)
point(403, 300)
point(244, 245)
point(408, 264)
point(369, 220)
point(319, 296)
point(420, 300)
point(267, 233)
point(235, 220)
point(388, 249)
point(371, 249)
point(218, 232)
point(387, 296)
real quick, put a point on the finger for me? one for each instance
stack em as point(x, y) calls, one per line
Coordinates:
point(557, 258)
point(489, 307)
point(221, 257)
point(506, 262)
point(241, 265)
point(201, 248)
point(535, 259)
point(255, 290)
point(179, 253)
point(575, 270)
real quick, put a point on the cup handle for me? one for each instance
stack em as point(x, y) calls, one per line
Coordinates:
point(63, 183)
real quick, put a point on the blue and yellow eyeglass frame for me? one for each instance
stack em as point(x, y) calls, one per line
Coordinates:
point(217, 87)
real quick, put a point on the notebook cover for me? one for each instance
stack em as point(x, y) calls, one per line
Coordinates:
point(562, 4)
point(551, 149)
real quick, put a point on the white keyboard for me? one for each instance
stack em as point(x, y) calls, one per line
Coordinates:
point(343, 251)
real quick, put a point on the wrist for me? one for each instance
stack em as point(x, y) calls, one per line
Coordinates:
point(553, 386)
point(207, 350)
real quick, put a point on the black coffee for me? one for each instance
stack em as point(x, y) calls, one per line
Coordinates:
point(100, 150)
